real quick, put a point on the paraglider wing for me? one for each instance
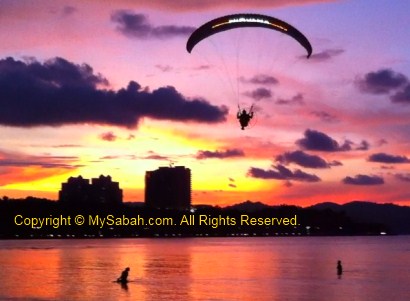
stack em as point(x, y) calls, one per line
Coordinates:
point(246, 20)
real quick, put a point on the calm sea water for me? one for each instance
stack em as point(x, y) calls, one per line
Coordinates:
point(302, 268)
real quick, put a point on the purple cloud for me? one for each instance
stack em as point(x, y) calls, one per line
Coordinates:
point(260, 79)
point(137, 26)
point(303, 159)
point(259, 93)
point(280, 172)
point(403, 177)
point(402, 96)
point(364, 145)
point(387, 158)
point(164, 68)
point(326, 55)
point(324, 116)
point(363, 180)
point(295, 100)
point(315, 140)
point(381, 82)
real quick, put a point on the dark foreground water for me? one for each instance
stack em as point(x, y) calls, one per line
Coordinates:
point(297, 268)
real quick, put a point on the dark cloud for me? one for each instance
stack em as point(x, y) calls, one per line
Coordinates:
point(229, 153)
point(387, 158)
point(108, 136)
point(402, 96)
point(363, 180)
point(232, 183)
point(56, 73)
point(381, 82)
point(295, 100)
point(326, 55)
point(403, 177)
point(280, 172)
point(315, 140)
point(364, 145)
point(303, 159)
point(259, 93)
point(260, 79)
point(335, 163)
point(58, 92)
point(137, 26)
point(324, 116)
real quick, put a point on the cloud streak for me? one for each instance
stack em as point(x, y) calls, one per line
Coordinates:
point(260, 79)
point(324, 116)
point(295, 100)
point(15, 159)
point(229, 153)
point(326, 55)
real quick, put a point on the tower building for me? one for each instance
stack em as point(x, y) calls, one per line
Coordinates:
point(168, 188)
point(101, 190)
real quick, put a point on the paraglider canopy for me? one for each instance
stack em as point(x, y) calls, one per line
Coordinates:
point(246, 20)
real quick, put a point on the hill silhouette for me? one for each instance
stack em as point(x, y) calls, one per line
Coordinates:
point(396, 218)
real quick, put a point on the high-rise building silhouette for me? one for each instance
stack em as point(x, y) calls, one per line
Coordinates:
point(168, 188)
point(105, 191)
point(101, 190)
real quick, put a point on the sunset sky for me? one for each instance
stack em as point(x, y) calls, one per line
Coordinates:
point(107, 87)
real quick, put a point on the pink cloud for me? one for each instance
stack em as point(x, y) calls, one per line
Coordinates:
point(198, 5)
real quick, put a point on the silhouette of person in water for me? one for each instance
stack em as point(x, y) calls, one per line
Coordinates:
point(124, 276)
point(339, 268)
point(244, 118)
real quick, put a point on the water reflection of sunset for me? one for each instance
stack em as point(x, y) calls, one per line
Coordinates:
point(279, 268)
